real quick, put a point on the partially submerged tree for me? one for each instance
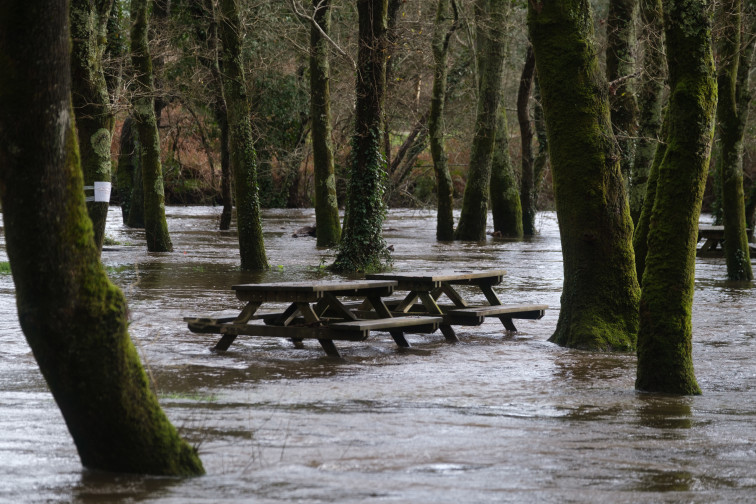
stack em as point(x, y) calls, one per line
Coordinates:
point(732, 121)
point(94, 117)
point(155, 225)
point(664, 339)
point(74, 319)
point(528, 183)
point(490, 16)
point(241, 147)
point(599, 307)
point(362, 245)
point(445, 24)
point(327, 224)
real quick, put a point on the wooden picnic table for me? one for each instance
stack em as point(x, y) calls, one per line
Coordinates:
point(713, 245)
point(314, 311)
point(428, 287)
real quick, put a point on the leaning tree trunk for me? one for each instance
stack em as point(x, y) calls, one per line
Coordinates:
point(732, 122)
point(620, 66)
point(445, 24)
point(155, 225)
point(327, 224)
point(650, 100)
point(490, 33)
point(600, 296)
point(74, 319)
point(664, 340)
point(241, 147)
point(94, 118)
point(362, 245)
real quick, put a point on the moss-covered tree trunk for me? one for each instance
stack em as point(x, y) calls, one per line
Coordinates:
point(327, 221)
point(94, 118)
point(731, 130)
point(527, 180)
point(241, 148)
point(489, 23)
point(506, 208)
point(620, 66)
point(650, 100)
point(362, 245)
point(74, 319)
point(599, 308)
point(129, 176)
point(445, 24)
point(155, 225)
point(664, 339)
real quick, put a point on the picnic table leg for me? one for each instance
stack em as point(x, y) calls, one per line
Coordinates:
point(382, 310)
point(493, 300)
point(312, 319)
point(434, 309)
point(452, 294)
point(246, 314)
point(405, 305)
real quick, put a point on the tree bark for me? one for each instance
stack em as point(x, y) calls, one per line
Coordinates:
point(445, 24)
point(362, 245)
point(527, 182)
point(732, 122)
point(74, 319)
point(155, 225)
point(650, 100)
point(94, 118)
point(327, 220)
point(490, 34)
point(599, 308)
point(241, 148)
point(664, 339)
point(620, 66)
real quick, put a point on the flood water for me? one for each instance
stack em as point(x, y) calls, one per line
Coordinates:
point(496, 418)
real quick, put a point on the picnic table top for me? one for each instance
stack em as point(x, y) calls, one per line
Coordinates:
point(451, 276)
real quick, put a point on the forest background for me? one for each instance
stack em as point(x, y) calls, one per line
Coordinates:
point(275, 54)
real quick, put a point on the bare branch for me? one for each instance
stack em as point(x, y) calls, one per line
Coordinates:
point(300, 13)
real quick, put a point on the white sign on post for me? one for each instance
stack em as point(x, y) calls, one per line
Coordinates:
point(102, 192)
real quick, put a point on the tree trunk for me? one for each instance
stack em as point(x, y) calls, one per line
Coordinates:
point(620, 66)
point(74, 319)
point(327, 223)
point(490, 34)
point(650, 100)
point(664, 340)
point(129, 186)
point(155, 225)
point(443, 29)
point(527, 182)
point(731, 130)
point(221, 117)
point(599, 308)
point(241, 148)
point(362, 246)
point(89, 91)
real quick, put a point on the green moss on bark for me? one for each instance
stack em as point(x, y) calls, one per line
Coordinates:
point(600, 295)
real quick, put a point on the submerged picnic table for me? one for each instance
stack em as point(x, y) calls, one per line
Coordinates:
point(314, 311)
point(714, 237)
point(430, 286)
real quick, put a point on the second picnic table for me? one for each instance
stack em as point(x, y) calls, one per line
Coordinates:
point(427, 287)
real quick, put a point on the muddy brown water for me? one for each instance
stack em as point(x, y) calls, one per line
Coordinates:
point(496, 418)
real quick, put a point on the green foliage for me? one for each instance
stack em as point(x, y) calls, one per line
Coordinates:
point(5, 268)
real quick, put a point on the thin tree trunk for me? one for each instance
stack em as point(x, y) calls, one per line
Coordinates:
point(155, 225)
point(599, 308)
point(620, 66)
point(731, 130)
point(664, 339)
point(327, 220)
point(241, 148)
point(74, 319)
point(490, 34)
point(94, 118)
point(527, 181)
point(362, 245)
point(445, 24)
point(650, 100)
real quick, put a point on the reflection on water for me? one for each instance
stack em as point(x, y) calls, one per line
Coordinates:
point(495, 418)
